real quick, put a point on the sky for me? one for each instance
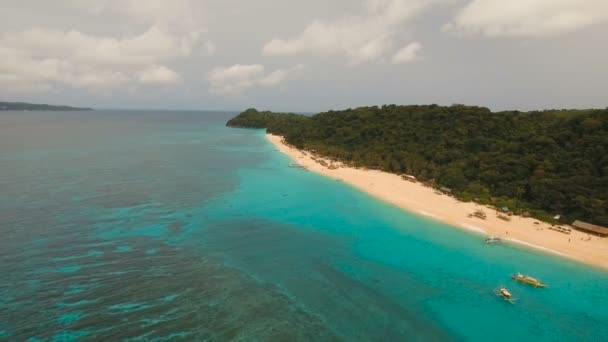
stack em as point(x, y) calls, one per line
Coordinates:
point(305, 56)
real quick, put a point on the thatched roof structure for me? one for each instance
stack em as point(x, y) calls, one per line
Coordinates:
point(590, 228)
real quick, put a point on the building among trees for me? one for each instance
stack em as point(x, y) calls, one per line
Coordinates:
point(590, 228)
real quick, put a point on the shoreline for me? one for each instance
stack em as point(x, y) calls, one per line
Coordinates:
point(420, 200)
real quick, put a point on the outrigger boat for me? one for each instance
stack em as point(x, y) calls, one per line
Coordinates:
point(479, 214)
point(297, 166)
point(492, 240)
point(505, 294)
point(528, 280)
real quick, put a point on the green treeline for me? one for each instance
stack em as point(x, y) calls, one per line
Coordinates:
point(544, 162)
point(34, 106)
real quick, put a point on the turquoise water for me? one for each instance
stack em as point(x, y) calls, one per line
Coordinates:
point(168, 226)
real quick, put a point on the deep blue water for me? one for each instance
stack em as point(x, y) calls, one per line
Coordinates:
point(169, 226)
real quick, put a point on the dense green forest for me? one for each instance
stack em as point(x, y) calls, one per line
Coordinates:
point(33, 106)
point(544, 162)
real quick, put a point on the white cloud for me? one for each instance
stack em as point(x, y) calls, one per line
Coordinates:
point(235, 73)
point(99, 80)
point(407, 54)
point(532, 18)
point(158, 75)
point(39, 58)
point(235, 79)
point(278, 76)
point(151, 46)
point(182, 15)
point(42, 56)
point(361, 38)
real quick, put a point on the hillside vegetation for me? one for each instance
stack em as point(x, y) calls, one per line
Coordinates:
point(544, 162)
point(34, 106)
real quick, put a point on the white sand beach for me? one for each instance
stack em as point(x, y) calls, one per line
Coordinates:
point(416, 198)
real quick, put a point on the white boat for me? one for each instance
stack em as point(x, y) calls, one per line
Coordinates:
point(505, 294)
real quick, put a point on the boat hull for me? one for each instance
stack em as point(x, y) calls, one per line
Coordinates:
point(528, 281)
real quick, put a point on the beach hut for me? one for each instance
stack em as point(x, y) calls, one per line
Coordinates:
point(590, 228)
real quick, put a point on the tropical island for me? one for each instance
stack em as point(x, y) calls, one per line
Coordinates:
point(529, 177)
point(24, 106)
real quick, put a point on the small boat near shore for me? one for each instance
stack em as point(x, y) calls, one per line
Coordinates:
point(505, 294)
point(479, 214)
point(298, 166)
point(528, 280)
point(561, 229)
point(492, 240)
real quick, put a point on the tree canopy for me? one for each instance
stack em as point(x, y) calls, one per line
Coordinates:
point(552, 162)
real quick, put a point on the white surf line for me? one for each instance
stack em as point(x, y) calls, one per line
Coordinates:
point(473, 228)
point(531, 245)
point(422, 212)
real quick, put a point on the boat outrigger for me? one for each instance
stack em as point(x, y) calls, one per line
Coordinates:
point(528, 280)
point(505, 294)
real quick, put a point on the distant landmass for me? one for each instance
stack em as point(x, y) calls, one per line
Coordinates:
point(550, 164)
point(34, 106)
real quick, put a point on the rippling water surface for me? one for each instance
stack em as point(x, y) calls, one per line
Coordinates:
point(168, 226)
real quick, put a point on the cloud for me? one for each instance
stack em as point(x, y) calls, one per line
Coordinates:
point(235, 79)
point(407, 54)
point(150, 46)
point(40, 58)
point(208, 48)
point(361, 38)
point(182, 15)
point(236, 73)
point(44, 56)
point(158, 75)
point(531, 18)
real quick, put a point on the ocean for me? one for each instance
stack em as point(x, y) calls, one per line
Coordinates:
point(169, 226)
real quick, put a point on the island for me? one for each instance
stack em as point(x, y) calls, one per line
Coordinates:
point(526, 176)
point(24, 106)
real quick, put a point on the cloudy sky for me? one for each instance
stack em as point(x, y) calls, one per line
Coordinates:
point(310, 55)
